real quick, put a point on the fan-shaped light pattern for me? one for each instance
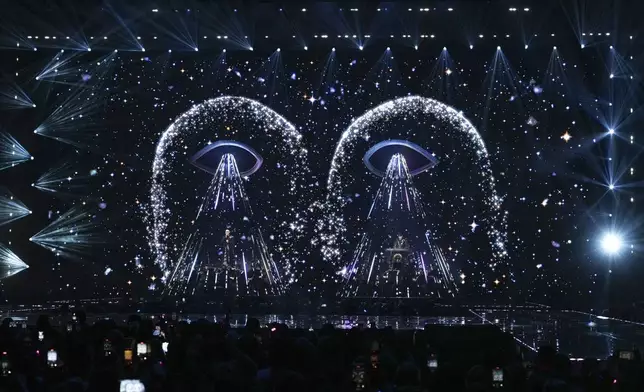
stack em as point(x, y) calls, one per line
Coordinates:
point(73, 234)
point(11, 152)
point(11, 209)
point(9, 260)
point(13, 97)
point(64, 180)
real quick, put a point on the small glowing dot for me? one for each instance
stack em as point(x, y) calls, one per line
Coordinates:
point(583, 46)
point(361, 47)
point(498, 48)
point(333, 49)
point(279, 50)
point(611, 131)
point(525, 47)
point(306, 48)
point(554, 48)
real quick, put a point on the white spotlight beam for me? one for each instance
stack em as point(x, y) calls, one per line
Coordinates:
point(13, 97)
point(11, 209)
point(63, 180)
point(72, 235)
point(11, 152)
point(9, 260)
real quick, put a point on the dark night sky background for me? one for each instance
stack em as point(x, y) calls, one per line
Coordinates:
point(132, 96)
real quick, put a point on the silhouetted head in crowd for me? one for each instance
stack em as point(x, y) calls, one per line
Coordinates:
point(546, 357)
point(42, 324)
point(407, 375)
point(252, 326)
point(81, 317)
point(478, 379)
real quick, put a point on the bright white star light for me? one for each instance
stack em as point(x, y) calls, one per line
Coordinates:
point(611, 243)
point(611, 131)
point(474, 225)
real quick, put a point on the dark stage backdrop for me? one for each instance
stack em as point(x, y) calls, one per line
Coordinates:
point(100, 114)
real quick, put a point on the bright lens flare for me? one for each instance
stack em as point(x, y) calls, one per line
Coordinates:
point(611, 243)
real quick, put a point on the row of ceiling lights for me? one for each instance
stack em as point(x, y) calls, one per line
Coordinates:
point(339, 36)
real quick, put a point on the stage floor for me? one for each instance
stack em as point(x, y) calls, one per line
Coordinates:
point(576, 334)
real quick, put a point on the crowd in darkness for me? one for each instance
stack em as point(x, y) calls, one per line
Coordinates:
point(166, 355)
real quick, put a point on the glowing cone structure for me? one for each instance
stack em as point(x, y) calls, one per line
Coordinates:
point(396, 256)
point(226, 253)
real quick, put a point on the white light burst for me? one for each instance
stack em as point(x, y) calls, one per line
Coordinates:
point(14, 97)
point(73, 234)
point(611, 243)
point(11, 209)
point(11, 152)
point(63, 180)
point(10, 263)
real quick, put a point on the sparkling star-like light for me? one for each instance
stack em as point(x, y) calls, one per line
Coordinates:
point(566, 137)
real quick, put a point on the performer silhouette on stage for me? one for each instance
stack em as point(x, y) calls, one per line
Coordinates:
point(228, 251)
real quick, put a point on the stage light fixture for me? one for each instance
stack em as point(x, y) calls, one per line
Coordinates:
point(611, 131)
point(361, 47)
point(306, 48)
point(525, 47)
